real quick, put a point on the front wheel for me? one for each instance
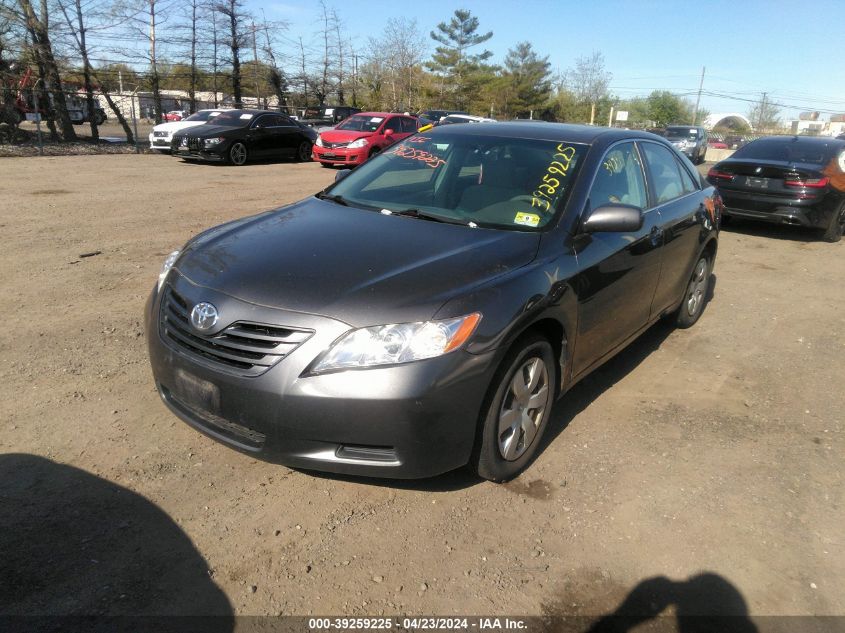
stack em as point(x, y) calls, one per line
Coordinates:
point(836, 229)
point(237, 154)
point(516, 410)
point(303, 152)
point(696, 294)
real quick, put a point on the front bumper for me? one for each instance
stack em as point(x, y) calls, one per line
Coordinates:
point(340, 155)
point(161, 143)
point(203, 155)
point(406, 421)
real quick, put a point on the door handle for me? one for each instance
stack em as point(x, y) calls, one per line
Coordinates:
point(656, 235)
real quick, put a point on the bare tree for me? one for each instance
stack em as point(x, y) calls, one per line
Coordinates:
point(235, 17)
point(78, 28)
point(143, 20)
point(277, 76)
point(588, 80)
point(38, 27)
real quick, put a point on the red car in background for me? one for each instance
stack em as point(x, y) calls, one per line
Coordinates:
point(173, 115)
point(360, 136)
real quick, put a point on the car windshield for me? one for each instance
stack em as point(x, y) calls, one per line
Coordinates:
point(204, 115)
point(361, 123)
point(495, 182)
point(675, 133)
point(234, 118)
point(791, 149)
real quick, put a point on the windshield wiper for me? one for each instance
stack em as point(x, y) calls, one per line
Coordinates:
point(423, 215)
point(332, 198)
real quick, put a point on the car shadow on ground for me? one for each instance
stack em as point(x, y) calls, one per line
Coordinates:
point(565, 410)
point(706, 602)
point(587, 390)
point(77, 545)
point(773, 231)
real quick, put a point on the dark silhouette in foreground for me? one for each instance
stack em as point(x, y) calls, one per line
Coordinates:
point(706, 603)
point(77, 546)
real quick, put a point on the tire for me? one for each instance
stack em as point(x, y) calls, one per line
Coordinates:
point(303, 152)
point(101, 119)
point(834, 232)
point(504, 446)
point(695, 295)
point(373, 152)
point(237, 154)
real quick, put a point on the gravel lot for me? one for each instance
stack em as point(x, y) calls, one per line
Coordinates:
point(711, 456)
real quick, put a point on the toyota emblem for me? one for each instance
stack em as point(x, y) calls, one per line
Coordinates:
point(204, 316)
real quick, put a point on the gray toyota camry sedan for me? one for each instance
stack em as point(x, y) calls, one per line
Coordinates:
point(425, 311)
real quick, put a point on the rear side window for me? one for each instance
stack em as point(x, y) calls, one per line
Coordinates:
point(788, 148)
point(665, 173)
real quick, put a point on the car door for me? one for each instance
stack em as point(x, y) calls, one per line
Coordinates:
point(284, 136)
point(683, 217)
point(618, 272)
point(259, 139)
point(394, 123)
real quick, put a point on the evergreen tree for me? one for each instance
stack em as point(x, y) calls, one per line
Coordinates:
point(452, 61)
point(526, 80)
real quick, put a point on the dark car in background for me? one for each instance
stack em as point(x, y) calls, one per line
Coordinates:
point(797, 180)
point(426, 310)
point(689, 140)
point(237, 136)
point(323, 117)
point(436, 115)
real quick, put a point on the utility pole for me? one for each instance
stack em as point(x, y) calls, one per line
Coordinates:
point(762, 111)
point(698, 99)
point(255, 67)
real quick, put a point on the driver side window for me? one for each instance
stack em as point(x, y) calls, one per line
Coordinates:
point(619, 179)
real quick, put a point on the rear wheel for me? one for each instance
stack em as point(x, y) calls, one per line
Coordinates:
point(696, 294)
point(516, 410)
point(237, 153)
point(834, 232)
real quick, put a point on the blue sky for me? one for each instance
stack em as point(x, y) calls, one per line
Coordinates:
point(795, 52)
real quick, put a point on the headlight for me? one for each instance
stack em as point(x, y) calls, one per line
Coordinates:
point(319, 142)
point(165, 268)
point(400, 343)
point(361, 142)
point(211, 142)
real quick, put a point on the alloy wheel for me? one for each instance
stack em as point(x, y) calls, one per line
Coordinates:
point(238, 154)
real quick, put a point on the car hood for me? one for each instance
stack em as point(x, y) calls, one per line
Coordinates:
point(208, 130)
point(343, 136)
point(322, 258)
point(174, 126)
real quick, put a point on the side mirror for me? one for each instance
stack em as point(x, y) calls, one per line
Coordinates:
point(341, 174)
point(388, 132)
point(614, 218)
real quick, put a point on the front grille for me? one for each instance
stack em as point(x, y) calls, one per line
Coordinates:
point(159, 134)
point(194, 143)
point(334, 145)
point(245, 348)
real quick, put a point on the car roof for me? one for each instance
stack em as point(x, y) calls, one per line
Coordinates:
point(571, 133)
point(382, 114)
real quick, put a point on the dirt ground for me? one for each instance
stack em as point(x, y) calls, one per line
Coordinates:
point(712, 457)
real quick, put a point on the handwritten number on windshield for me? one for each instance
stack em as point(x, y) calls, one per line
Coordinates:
point(562, 161)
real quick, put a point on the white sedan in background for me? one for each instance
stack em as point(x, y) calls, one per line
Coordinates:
point(162, 134)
